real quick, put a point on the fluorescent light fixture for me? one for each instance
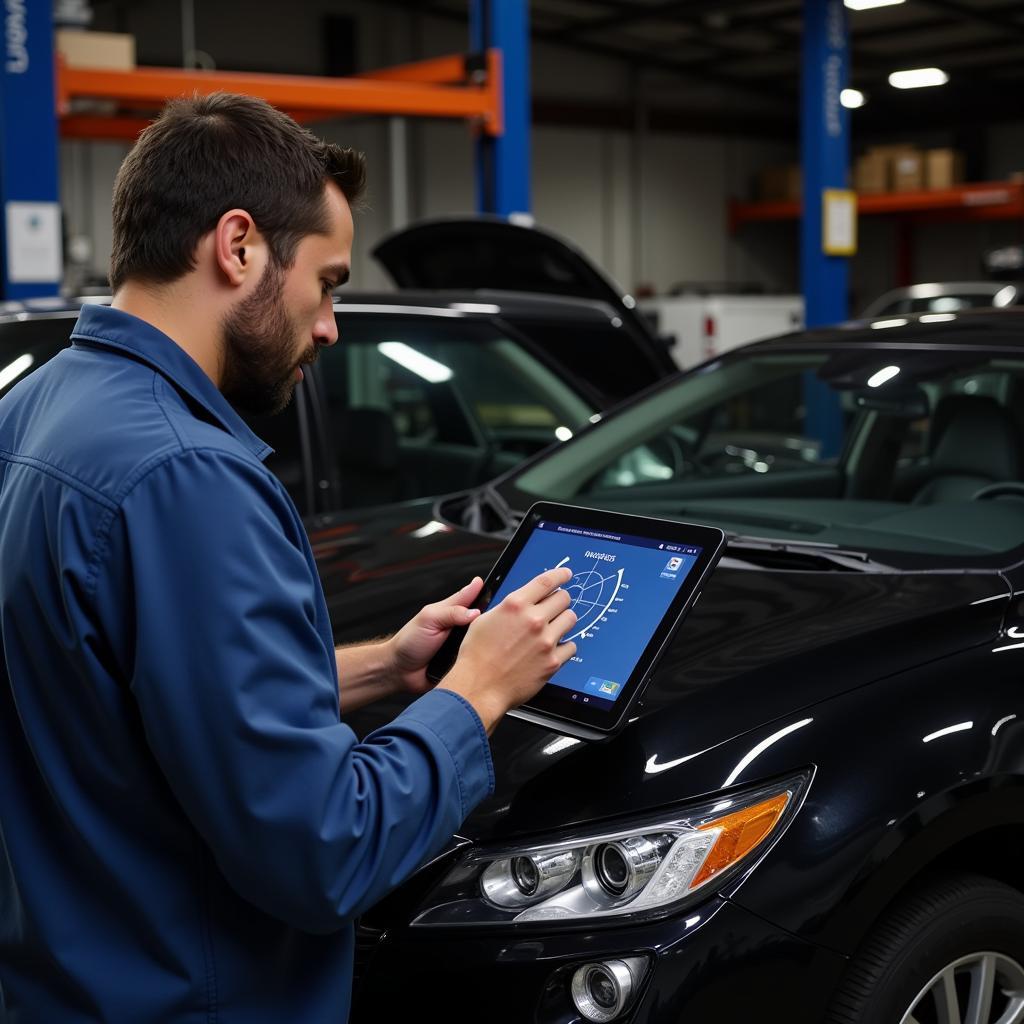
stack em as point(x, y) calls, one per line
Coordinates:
point(866, 5)
point(881, 325)
point(949, 730)
point(918, 78)
point(937, 318)
point(14, 370)
point(886, 373)
point(416, 362)
point(852, 98)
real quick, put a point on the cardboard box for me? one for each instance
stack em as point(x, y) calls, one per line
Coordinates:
point(103, 51)
point(780, 184)
point(871, 173)
point(908, 171)
point(943, 168)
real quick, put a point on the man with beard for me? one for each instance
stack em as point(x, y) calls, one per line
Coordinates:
point(187, 827)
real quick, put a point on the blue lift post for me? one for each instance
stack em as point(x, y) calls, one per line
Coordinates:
point(29, 184)
point(825, 155)
point(503, 163)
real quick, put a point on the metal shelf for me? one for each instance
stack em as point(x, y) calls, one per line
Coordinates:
point(447, 87)
point(995, 200)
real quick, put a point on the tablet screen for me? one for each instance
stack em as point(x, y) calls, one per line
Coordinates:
point(622, 587)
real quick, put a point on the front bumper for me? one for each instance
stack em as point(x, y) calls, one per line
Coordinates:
point(717, 963)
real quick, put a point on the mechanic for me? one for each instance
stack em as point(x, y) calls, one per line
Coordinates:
point(188, 828)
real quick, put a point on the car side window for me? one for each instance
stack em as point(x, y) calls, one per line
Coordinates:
point(25, 346)
point(418, 406)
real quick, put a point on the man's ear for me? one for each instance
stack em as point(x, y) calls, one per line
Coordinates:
point(238, 248)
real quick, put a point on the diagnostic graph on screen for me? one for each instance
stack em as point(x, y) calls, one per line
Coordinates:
point(593, 595)
point(620, 589)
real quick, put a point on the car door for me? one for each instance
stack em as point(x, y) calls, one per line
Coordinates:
point(419, 405)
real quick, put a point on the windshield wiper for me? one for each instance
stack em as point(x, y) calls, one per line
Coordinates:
point(766, 551)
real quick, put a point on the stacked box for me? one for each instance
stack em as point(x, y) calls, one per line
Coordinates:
point(943, 168)
point(101, 51)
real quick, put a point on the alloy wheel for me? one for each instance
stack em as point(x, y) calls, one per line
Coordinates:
point(980, 988)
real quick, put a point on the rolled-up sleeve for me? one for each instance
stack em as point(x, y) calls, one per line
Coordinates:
point(237, 695)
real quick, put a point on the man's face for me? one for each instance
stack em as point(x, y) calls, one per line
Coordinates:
point(269, 335)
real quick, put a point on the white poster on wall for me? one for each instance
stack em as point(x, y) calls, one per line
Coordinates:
point(33, 243)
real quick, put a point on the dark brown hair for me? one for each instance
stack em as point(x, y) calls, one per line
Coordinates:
point(209, 154)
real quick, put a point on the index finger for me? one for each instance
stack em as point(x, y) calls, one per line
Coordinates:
point(541, 586)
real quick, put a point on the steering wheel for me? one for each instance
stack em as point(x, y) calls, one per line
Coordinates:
point(1005, 488)
point(670, 449)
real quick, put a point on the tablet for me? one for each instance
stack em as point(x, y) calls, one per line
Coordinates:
point(634, 579)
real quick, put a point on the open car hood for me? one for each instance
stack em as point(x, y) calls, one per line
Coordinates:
point(489, 252)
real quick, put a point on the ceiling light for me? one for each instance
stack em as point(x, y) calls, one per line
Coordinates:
point(918, 78)
point(852, 98)
point(881, 325)
point(866, 5)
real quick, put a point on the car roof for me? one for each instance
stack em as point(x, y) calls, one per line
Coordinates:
point(975, 328)
point(514, 305)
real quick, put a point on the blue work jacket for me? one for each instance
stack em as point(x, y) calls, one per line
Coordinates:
point(187, 829)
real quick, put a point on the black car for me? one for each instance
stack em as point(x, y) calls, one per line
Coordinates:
point(425, 394)
point(495, 258)
point(818, 813)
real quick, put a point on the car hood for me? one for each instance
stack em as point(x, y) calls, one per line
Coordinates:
point(494, 253)
point(759, 646)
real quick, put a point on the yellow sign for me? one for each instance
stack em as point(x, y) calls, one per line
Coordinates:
point(838, 222)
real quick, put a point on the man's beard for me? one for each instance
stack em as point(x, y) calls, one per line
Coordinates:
point(259, 350)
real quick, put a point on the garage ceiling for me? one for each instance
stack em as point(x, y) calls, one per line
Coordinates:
point(751, 49)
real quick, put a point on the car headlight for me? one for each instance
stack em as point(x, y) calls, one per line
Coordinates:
point(647, 867)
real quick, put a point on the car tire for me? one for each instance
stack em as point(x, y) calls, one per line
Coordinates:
point(942, 943)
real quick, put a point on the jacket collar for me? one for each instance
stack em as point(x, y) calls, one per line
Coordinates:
point(117, 331)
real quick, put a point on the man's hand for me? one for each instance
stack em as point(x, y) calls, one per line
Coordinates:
point(511, 651)
point(412, 647)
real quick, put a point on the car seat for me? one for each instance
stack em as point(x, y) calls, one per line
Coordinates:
point(368, 454)
point(976, 443)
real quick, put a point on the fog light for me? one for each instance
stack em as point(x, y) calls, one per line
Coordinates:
point(602, 991)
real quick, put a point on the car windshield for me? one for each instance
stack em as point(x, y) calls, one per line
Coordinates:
point(915, 451)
